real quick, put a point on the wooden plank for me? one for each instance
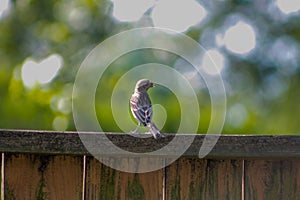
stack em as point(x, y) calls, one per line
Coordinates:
point(2, 176)
point(204, 179)
point(43, 177)
point(103, 182)
point(41, 142)
point(272, 179)
point(22, 177)
point(227, 147)
point(63, 177)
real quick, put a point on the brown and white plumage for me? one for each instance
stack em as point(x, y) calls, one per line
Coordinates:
point(141, 107)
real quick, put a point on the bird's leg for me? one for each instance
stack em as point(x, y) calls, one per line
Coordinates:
point(137, 129)
point(147, 133)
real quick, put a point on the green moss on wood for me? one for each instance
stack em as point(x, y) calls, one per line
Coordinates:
point(192, 192)
point(80, 195)
point(41, 195)
point(175, 192)
point(9, 194)
point(107, 187)
point(135, 190)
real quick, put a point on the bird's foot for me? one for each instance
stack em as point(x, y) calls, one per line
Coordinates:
point(140, 135)
point(134, 132)
point(160, 135)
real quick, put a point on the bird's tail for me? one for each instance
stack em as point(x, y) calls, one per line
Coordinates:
point(155, 131)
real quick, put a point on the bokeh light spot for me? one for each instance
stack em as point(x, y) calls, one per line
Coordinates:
point(60, 123)
point(284, 53)
point(213, 62)
point(131, 10)
point(288, 6)
point(237, 115)
point(4, 7)
point(177, 15)
point(239, 39)
point(40, 73)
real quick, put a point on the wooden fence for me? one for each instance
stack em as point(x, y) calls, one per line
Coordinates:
point(56, 165)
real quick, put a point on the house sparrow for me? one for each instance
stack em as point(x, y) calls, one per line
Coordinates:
point(141, 107)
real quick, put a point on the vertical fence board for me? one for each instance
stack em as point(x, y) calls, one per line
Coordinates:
point(272, 179)
point(63, 177)
point(43, 177)
point(22, 177)
point(103, 182)
point(204, 179)
point(1, 177)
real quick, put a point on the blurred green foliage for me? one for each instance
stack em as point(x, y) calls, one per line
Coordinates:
point(262, 90)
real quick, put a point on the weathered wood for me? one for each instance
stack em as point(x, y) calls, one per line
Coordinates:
point(22, 177)
point(272, 179)
point(43, 177)
point(41, 142)
point(63, 177)
point(49, 165)
point(192, 178)
point(103, 182)
point(228, 146)
point(1, 176)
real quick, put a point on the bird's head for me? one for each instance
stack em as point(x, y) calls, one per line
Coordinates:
point(143, 85)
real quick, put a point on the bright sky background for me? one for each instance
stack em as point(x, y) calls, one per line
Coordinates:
point(4, 7)
point(239, 38)
point(288, 6)
point(178, 15)
point(131, 10)
point(213, 62)
point(40, 72)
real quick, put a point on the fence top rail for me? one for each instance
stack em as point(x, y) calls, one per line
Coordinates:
point(227, 146)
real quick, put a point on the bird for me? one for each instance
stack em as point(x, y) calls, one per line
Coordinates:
point(141, 107)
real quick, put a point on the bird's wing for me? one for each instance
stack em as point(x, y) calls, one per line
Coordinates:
point(141, 107)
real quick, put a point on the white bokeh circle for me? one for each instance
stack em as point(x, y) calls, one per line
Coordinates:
point(92, 68)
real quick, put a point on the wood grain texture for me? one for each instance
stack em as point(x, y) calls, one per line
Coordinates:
point(41, 142)
point(62, 177)
point(43, 177)
point(227, 147)
point(1, 176)
point(22, 177)
point(103, 182)
point(49, 165)
point(272, 179)
point(193, 179)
